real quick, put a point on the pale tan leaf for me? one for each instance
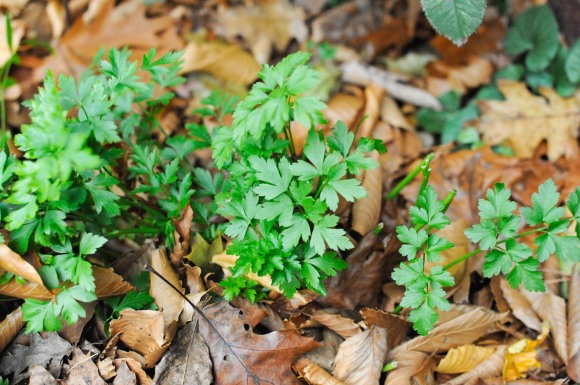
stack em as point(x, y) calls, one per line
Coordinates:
point(14, 263)
point(10, 327)
point(552, 309)
point(82, 371)
point(391, 113)
point(546, 117)
point(344, 107)
point(40, 376)
point(26, 290)
point(409, 363)
point(366, 211)
point(476, 72)
point(227, 62)
point(396, 326)
point(17, 34)
point(491, 367)
point(360, 358)
point(109, 284)
point(135, 367)
point(463, 359)
point(106, 368)
point(520, 306)
point(373, 99)
point(314, 374)
point(459, 331)
point(344, 327)
point(573, 367)
point(142, 331)
point(169, 301)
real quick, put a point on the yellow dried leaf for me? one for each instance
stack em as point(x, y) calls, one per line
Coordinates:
point(14, 263)
point(314, 374)
point(490, 367)
point(522, 356)
point(463, 359)
point(526, 120)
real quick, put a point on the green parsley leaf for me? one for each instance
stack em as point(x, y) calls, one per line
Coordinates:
point(544, 203)
point(90, 243)
point(412, 239)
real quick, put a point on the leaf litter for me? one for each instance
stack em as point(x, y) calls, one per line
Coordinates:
point(278, 341)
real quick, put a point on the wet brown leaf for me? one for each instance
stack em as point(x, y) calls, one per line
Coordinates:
point(10, 327)
point(395, 325)
point(360, 358)
point(573, 367)
point(314, 374)
point(344, 327)
point(14, 263)
point(169, 301)
point(242, 356)
point(464, 358)
point(546, 117)
point(366, 211)
point(520, 306)
point(492, 366)
point(83, 370)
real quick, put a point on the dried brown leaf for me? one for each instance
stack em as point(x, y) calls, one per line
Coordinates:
point(106, 368)
point(314, 374)
point(447, 78)
point(547, 117)
point(10, 327)
point(391, 114)
point(366, 211)
point(345, 107)
point(169, 301)
point(520, 306)
point(14, 263)
point(26, 290)
point(573, 367)
point(492, 366)
point(552, 309)
point(344, 327)
point(136, 368)
point(240, 356)
point(18, 28)
point(109, 284)
point(395, 325)
point(360, 358)
point(409, 364)
point(463, 359)
point(83, 370)
point(40, 376)
point(125, 376)
point(227, 62)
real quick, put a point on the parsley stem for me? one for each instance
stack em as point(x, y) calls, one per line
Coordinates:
point(290, 138)
point(461, 259)
point(409, 178)
point(448, 199)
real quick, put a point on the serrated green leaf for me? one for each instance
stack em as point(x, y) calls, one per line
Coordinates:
point(527, 272)
point(544, 208)
point(412, 239)
point(423, 318)
point(456, 19)
point(90, 243)
point(435, 245)
point(484, 233)
point(324, 233)
point(40, 316)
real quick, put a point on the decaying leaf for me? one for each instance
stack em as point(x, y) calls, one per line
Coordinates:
point(314, 374)
point(366, 211)
point(464, 358)
point(573, 367)
point(125, 376)
point(525, 120)
point(491, 367)
point(240, 356)
point(520, 306)
point(344, 327)
point(83, 370)
point(445, 78)
point(522, 356)
point(40, 376)
point(396, 326)
point(360, 358)
point(169, 301)
point(187, 361)
point(409, 364)
point(182, 237)
point(14, 263)
point(109, 284)
point(10, 327)
point(202, 251)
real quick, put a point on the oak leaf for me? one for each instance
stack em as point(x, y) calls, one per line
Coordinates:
point(360, 358)
point(526, 120)
point(240, 356)
point(464, 358)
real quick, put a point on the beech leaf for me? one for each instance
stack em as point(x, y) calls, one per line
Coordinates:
point(463, 359)
point(14, 263)
point(10, 327)
point(314, 374)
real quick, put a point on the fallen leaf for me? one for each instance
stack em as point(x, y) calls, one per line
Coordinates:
point(444, 77)
point(227, 62)
point(391, 114)
point(360, 358)
point(240, 356)
point(314, 374)
point(40, 376)
point(56, 14)
point(366, 211)
point(546, 117)
point(552, 309)
point(344, 327)
point(324, 355)
point(182, 237)
point(168, 300)
point(187, 362)
point(492, 366)
point(83, 370)
point(346, 107)
point(463, 358)
point(14, 263)
point(202, 251)
point(109, 284)
point(522, 356)
point(106, 368)
point(409, 364)
point(135, 366)
point(125, 376)
point(520, 306)
point(396, 326)
point(17, 34)
point(10, 327)
point(262, 26)
point(142, 331)
point(573, 367)
point(26, 290)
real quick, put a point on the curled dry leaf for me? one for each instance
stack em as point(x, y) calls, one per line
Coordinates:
point(14, 263)
point(109, 284)
point(10, 327)
point(314, 374)
point(240, 356)
point(227, 62)
point(344, 327)
point(142, 331)
point(464, 359)
point(520, 306)
point(360, 358)
point(396, 326)
point(547, 117)
point(391, 114)
point(552, 309)
point(573, 367)
point(167, 299)
point(366, 211)
point(373, 99)
point(522, 356)
point(491, 367)
point(135, 366)
point(182, 237)
point(409, 364)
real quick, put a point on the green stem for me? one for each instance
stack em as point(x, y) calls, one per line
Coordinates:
point(3, 124)
point(288, 134)
point(409, 178)
point(390, 366)
point(448, 199)
point(138, 230)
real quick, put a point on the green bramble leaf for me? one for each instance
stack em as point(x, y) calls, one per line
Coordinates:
point(456, 19)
